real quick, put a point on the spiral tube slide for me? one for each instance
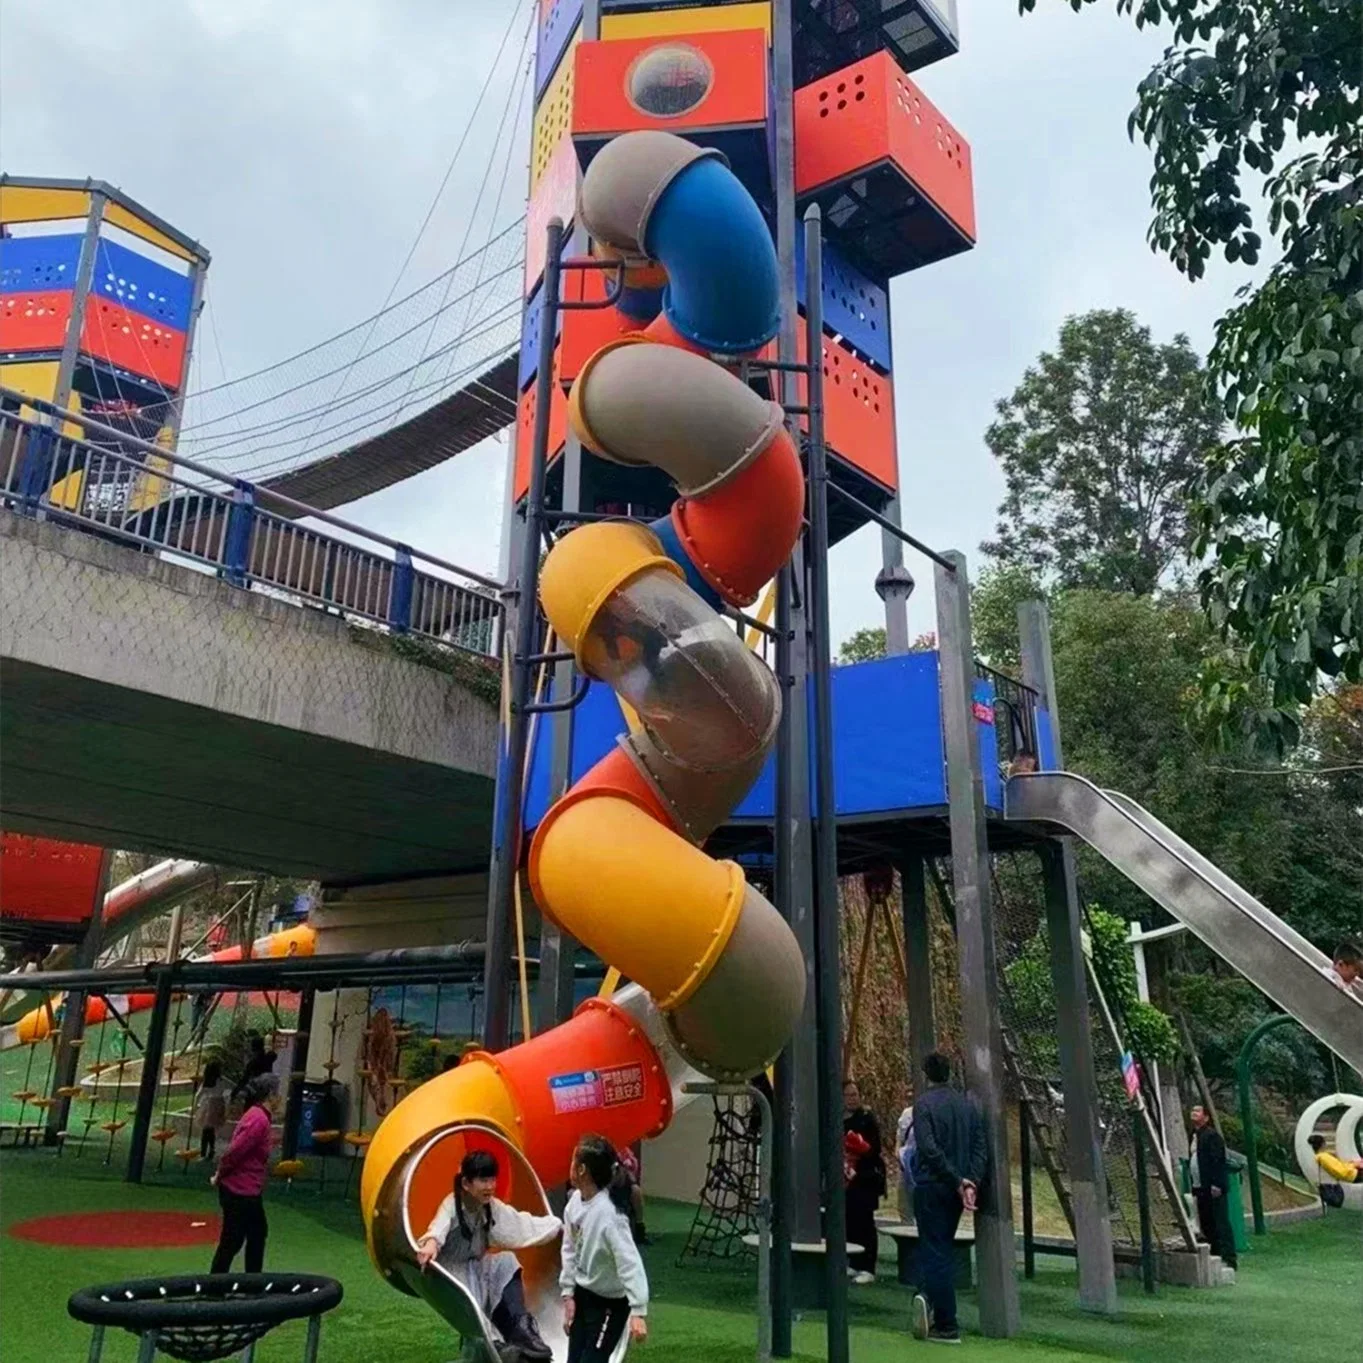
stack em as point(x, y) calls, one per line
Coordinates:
point(718, 977)
point(39, 1023)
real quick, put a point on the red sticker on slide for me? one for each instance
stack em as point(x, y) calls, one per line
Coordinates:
point(624, 1084)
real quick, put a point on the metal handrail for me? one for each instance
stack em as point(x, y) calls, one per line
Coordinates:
point(251, 536)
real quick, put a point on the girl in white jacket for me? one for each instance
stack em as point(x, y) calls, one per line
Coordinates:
point(602, 1280)
point(472, 1237)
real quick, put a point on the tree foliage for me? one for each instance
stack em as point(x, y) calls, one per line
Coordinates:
point(1278, 513)
point(868, 644)
point(1098, 444)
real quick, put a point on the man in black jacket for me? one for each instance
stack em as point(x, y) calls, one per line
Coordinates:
point(949, 1163)
point(1210, 1187)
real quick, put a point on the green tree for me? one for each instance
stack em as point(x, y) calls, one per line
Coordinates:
point(1278, 515)
point(868, 644)
point(1098, 444)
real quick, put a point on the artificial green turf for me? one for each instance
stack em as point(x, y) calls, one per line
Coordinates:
point(1300, 1294)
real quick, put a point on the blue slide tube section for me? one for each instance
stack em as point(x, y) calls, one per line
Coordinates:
point(676, 551)
point(723, 290)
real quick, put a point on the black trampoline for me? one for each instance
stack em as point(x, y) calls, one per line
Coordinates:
point(205, 1316)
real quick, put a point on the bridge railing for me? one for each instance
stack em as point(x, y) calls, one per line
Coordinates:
point(112, 484)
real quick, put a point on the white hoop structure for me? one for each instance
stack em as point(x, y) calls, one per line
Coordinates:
point(1346, 1141)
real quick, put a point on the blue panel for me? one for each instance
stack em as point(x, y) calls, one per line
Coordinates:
point(142, 285)
point(530, 340)
point(983, 696)
point(32, 263)
point(854, 307)
point(676, 551)
point(555, 32)
point(1045, 740)
point(887, 737)
point(887, 740)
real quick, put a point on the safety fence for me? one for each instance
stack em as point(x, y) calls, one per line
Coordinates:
point(97, 479)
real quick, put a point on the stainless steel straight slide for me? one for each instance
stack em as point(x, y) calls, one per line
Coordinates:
point(1268, 953)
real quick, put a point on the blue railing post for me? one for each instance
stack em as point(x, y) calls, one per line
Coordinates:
point(237, 548)
point(35, 477)
point(400, 598)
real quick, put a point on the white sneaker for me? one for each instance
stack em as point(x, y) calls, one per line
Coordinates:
point(920, 1323)
point(863, 1278)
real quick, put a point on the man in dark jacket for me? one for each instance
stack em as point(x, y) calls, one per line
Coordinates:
point(949, 1164)
point(1210, 1185)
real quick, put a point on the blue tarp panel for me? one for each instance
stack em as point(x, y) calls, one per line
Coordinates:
point(1045, 740)
point(983, 696)
point(39, 264)
point(142, 285)
point(887, 742)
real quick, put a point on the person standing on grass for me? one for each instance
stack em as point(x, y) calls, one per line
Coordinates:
point(949, 1163)
point(603, 1281)
point(240, 1181)
point(1211, 1182)
point(866, 1186)
point(210, 1108)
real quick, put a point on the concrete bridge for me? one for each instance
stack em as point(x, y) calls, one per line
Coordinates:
point(150, 705)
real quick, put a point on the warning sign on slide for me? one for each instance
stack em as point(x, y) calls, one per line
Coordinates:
point(589, 1089)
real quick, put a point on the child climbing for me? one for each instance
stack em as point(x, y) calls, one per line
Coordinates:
point(471, 1238)
point(210, 1108)
point(603, 1280)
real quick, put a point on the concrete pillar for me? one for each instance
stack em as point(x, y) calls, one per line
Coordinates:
point(894, 586)
point(994, 1246)
point(1088, 1179)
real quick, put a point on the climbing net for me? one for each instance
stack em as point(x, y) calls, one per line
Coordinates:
point(727, 1212)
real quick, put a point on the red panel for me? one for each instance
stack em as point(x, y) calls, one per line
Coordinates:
point(48, 881)
point(858, 412)
point(736, 97)
point(584, 333)
point(133, 342)
point(870, 112)
point(525, 427)
point(34, 321)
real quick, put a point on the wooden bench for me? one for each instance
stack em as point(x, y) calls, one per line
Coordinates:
point(905, 1239)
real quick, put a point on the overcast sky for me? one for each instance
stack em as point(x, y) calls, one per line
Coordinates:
point(302, 143)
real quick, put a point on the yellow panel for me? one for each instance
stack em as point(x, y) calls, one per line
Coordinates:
point(24, 203)
point(554, 115)
point(710, 19)
point(66, 492)
point(130, 222)
point(38, 379)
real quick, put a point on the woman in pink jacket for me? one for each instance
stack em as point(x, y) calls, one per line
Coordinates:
point(240, 1181)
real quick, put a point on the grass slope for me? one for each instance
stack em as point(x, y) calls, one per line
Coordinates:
point(1300, 1294)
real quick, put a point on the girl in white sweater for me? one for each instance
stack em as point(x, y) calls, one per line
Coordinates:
point(603, 1280)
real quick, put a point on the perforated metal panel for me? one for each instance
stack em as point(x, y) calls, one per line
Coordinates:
point(133, 342)
point(141, 285)
point(553, 117)
point(525, 429)
point(528, 365)
point(554, 197)
point(854, 307)
point(34, 321)
point(557, 21)
point(39, 263)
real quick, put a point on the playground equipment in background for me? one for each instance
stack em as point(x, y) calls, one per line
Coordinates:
point(718, 977)
point(1346, 1143)
point(38, 1023)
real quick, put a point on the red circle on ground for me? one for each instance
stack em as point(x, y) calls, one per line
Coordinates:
point(121, 1230)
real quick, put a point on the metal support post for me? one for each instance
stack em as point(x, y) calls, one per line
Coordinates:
point(293, 1107)
point(1244, 1073)
point(152, 1052)
point(764, 1202)
point(796, 1150)
point(828, 968)
point(1028, 1217)
point(994, 1247)
point(913, 899)
point(80, 303)
point(73, 1011)
point(1143, 1205)
point(1088, 1179)
point(894, 586)
point(507, 813)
